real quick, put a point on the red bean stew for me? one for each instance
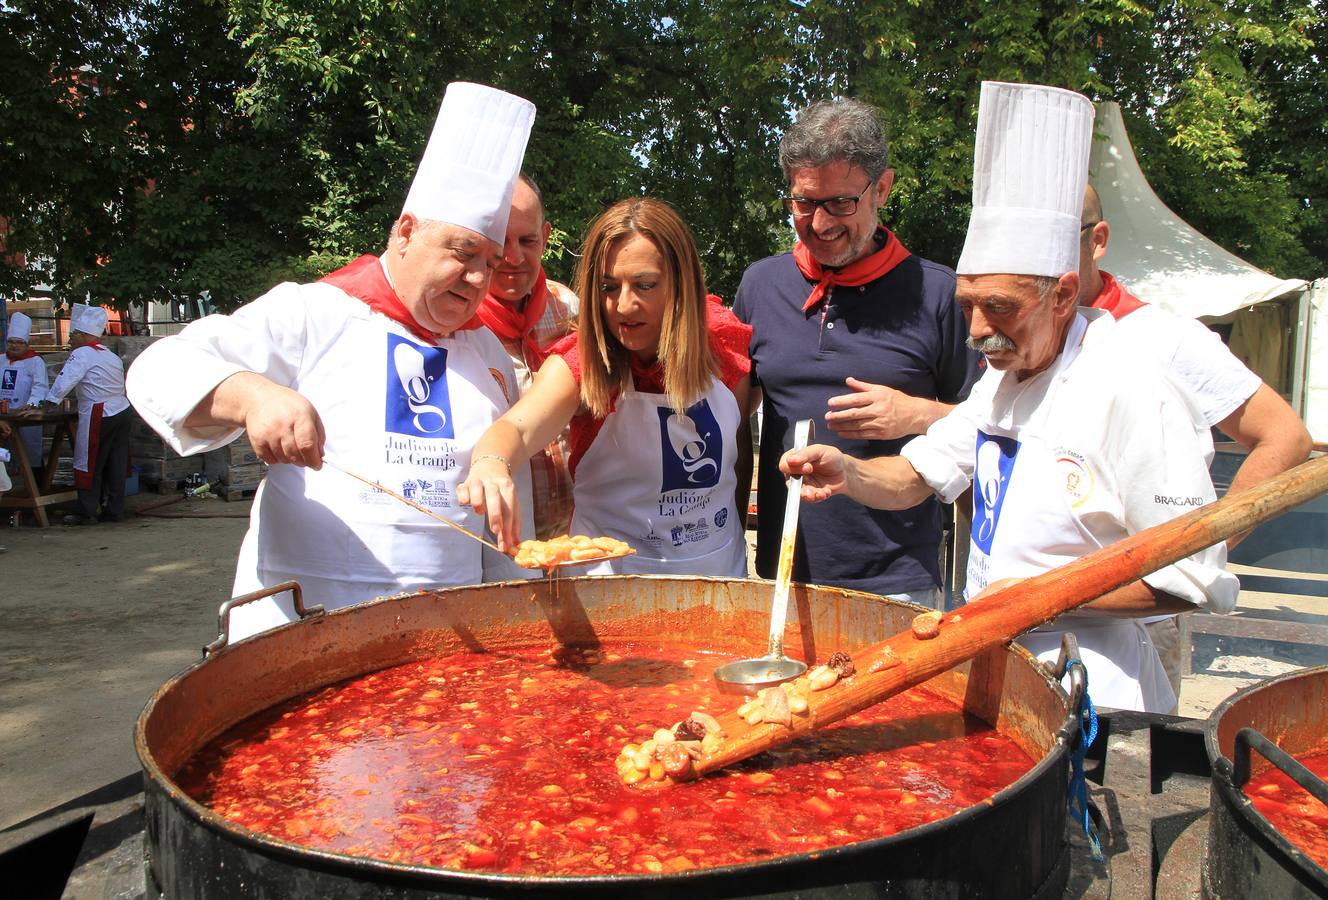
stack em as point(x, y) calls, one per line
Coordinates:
point(1289, 808)
point(502, 762)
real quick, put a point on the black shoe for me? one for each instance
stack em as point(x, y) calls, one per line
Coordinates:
point(79, 520)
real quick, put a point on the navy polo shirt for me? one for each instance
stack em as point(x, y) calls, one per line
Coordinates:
point(903, 330)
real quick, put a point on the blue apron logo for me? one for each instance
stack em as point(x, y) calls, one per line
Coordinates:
point(692, 448)
point(991, 484)
point(10, 377)
point(417, 400)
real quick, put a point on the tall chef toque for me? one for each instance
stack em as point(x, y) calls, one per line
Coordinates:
point(1030, 168)
point(87, 319)
point(473, 159)
point(20, 327)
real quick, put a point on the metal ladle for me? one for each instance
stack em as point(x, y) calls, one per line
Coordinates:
point(747, 676)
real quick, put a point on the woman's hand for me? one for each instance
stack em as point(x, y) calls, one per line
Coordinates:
point(490, 491)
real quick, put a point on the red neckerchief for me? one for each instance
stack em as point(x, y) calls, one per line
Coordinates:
point(863, 271)
point(365, 280)
point(1115, 299)
point(649, 377)
point(27, 354)
point(95, 345)
point(511, 325)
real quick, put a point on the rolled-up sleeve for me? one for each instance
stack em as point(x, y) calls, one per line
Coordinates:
point(944, 456)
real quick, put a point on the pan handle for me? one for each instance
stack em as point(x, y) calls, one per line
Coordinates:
point(1078, 677)
point(224, 613)
point(1248, 739)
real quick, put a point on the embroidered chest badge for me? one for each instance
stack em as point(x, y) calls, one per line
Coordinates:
point(1076, 477)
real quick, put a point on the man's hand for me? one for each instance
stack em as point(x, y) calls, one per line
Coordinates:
point(284, 427)
point(875, 412)
point(5, 430)
point(824, 471)
point(490, 491)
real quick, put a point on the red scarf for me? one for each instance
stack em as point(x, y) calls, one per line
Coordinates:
point(27, 354)
point(365, 280)
point(510, 325)
point(1115, 299)
point(863, 271)
point(95, 345)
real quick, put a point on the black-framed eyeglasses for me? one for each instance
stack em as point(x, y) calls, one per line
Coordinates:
point(1087, 225)
point(802, 207)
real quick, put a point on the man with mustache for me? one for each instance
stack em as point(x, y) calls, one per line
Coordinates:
point(377, 369)
point(862, 337)
point(1067, 449)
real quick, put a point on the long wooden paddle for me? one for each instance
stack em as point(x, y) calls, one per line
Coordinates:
point(894, 665)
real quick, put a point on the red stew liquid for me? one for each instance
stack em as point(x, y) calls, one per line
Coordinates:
point(504, 762)
point(1289, 808)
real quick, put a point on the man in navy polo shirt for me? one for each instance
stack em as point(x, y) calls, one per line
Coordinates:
point(854, 332)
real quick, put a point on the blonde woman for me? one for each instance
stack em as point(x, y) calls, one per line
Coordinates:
point(655, 383)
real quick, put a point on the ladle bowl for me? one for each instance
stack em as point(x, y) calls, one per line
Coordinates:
point(748, 676)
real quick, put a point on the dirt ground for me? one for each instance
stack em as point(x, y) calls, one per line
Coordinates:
point(94, 620)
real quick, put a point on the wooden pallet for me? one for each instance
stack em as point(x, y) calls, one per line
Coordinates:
point(228, 493)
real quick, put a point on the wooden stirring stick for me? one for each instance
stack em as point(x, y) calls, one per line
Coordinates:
point(466, 531)
point(903, 661)
point(419, 506)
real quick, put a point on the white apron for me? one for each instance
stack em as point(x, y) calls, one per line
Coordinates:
point(665, 484)
point(16, 381)
point(1025, 492)
point(86, 436)
point(399, 412)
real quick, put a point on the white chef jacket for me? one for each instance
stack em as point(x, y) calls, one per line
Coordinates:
point(395, 409)
point(97, 378)
point(1194, 356)
point(24, 383)
point(1099, 446)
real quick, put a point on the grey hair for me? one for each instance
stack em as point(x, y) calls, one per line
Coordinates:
point(830, 131)
point(422, 226)
point(1045, 285)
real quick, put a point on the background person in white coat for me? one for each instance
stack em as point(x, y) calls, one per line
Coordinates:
point(1229, 395)
point(373, 367)
point(24, 384)
point(1071, 451)
point(101, 444)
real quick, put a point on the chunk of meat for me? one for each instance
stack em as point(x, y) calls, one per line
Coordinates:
point(927, 625)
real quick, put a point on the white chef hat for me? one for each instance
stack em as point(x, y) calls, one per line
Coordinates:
point(87, 319)
point(1030, 168)
point(473, 159)
point(20, 327)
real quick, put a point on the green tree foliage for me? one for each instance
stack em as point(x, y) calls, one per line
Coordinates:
point(159, 149)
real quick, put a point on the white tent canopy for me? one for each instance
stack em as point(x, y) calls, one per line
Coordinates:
point(1163, 260)
point(1155, 252)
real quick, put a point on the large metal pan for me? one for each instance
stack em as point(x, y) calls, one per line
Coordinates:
point(1247, 856)
point(1014, 845)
